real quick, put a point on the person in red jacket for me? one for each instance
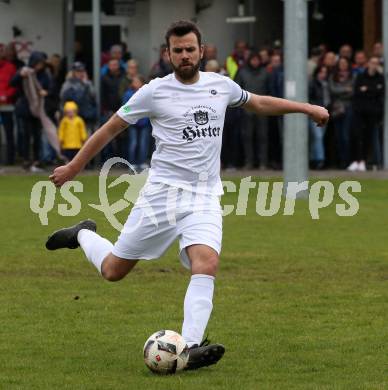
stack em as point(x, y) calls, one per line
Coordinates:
point(7, 93)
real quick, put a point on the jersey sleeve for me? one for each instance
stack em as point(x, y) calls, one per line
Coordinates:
point(237, 95)
point(138, 106)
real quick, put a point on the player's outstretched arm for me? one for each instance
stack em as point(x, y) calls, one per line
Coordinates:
point(93, 145)
point(268, 105)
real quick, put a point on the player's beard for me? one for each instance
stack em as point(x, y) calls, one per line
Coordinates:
point(187, 72)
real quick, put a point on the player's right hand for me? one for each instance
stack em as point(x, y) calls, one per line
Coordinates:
point(63, 174)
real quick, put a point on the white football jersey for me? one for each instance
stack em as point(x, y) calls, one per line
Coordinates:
point(187, 122)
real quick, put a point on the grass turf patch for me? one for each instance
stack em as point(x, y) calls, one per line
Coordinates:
point(299, 303)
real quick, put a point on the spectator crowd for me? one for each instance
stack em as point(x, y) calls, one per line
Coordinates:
point(47, 112)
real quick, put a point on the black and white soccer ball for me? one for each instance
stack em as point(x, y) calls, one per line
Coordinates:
point(166, 352)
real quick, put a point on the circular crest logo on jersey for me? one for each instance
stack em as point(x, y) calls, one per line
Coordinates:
point(213, 92)
point(201, 117)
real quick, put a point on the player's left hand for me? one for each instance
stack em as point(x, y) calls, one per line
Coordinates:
point(319, 115)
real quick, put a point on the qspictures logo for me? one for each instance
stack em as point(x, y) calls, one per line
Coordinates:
point(271, 198)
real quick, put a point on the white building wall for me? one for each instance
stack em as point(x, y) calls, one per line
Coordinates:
point(138, 36)
point(215, 30)
point(266, 29)
point(162, 14)
point(269, 24)
point(39, 20)
point(212, 22)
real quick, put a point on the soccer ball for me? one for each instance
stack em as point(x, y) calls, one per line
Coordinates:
point(166, 352)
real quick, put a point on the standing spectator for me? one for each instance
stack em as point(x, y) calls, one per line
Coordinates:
point(138, 134)
point(254, 77)
point(126, 54)
point(131, 73)
point(378, 51)
point(368, 113)
point(54, 66)
point(110, 98)
point(276, 88)
point(231, 133)
point(58, 72)
point(79, 89)
point(57, 75)
point(111, 102)
point(360, 62)
point(265, 57)
point(28, 120)
point(341, 91)
point(80, 55)
point(7, 95)
point(330, 61)
point(230, 138)
point(323, 48)
point(72, 131)
point(209, 53)
point(346, 51)
point(212, 66)
point(313, 61)
point(115, 53)
point(11, 56)
point(232, 127)
point(237, 59)
point(277, 47)
point(318, 94)
point(275, 63)
point(162, 67)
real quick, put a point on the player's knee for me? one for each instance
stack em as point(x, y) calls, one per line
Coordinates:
point(212, 265)
point(110, 274)
point(207, 265)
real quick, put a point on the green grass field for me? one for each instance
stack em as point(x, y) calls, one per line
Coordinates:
point(299, 303)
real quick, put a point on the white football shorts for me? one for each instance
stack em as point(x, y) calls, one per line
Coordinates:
point(162, 214)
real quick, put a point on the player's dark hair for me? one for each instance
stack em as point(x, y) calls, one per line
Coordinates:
point(181, 28)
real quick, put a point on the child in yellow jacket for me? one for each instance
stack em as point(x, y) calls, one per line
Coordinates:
point(72, 131)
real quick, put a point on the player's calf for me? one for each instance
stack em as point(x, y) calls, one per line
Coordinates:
point(114, 268)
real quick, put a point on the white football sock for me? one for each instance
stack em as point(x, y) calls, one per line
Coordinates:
point(96, 248)
point(197, 308)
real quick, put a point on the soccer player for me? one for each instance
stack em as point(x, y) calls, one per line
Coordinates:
point(187, 110)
